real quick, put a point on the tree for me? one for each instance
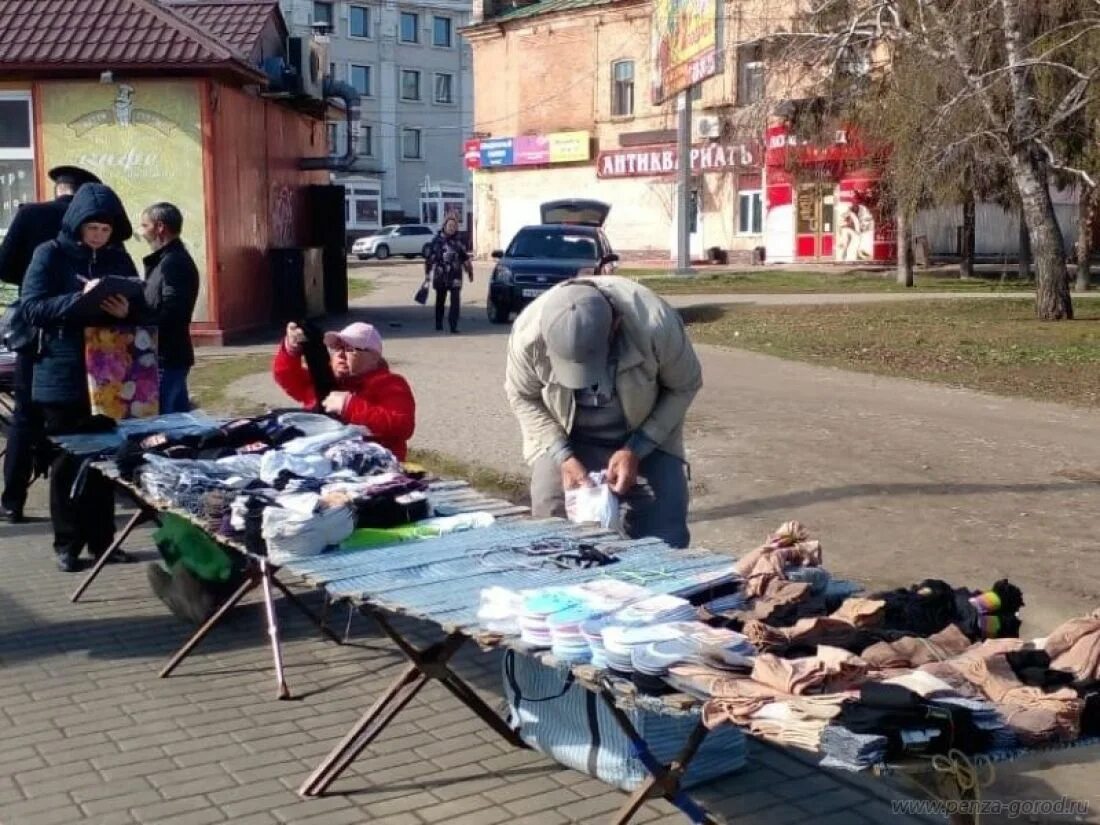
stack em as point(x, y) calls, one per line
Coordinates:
point(970, 70)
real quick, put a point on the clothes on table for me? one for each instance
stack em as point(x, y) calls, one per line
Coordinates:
point(932, 605)
point(789, 546)
point(845, 628)
point(1075, 646)
point(304, 531)
point(795, 722)
point(828, 671)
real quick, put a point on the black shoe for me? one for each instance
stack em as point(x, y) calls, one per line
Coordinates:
point(439, 327)
point(13, 515)
point(69, 562)
point(454, 331)
point(120, 556)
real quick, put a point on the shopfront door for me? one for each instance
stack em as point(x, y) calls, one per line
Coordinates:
point(815, 222)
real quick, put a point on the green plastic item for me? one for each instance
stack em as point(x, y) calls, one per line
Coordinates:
point(181, 542)
point(366, 538)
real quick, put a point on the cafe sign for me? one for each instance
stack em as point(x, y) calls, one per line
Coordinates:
point(656, 161)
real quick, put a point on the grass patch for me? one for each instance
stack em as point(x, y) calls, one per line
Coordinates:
point(508, 486)
point(360, 287)
point(793, 282)
point(995, 346)
point(210, 379)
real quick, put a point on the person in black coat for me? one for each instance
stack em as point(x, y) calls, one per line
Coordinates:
point(33, 224)
point(88, 247)
point(171, 289)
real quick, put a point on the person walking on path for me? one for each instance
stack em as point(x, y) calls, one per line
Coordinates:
point(88, 247)
point(444, 264)
point(171, 290)
point(33, 224)
point(600, 375)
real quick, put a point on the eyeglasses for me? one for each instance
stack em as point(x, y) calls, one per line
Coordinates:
point(346, 350)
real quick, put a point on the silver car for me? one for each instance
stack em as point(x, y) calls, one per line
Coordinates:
point(408, 239)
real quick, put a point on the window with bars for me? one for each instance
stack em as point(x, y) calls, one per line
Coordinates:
point(622, 88)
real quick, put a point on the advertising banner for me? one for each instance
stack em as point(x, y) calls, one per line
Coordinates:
point(144, 140)
point(528, 150)
point(684, 45)
point(656, 161)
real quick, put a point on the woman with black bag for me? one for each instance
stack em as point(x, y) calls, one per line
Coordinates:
point(444, 264)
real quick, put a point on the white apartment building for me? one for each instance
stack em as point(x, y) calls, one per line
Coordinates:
point(414, 73)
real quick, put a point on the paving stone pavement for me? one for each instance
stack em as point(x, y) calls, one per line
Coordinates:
point(91, 734)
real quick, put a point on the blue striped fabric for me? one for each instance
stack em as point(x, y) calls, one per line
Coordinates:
point(561, 727)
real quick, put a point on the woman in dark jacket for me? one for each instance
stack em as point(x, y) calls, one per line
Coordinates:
point(444, 264)
point(89, 247)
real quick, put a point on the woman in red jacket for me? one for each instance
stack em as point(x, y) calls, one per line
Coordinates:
point(367, 392)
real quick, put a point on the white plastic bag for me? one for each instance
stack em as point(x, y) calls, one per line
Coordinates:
point(593, 505)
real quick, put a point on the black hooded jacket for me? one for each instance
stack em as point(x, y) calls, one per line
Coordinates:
point(54, 282)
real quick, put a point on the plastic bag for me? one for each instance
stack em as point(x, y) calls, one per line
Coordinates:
point(593, 505)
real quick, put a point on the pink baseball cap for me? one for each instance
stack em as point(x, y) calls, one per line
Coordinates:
point(356, 336)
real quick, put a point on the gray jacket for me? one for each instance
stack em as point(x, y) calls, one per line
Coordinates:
point(658, 372)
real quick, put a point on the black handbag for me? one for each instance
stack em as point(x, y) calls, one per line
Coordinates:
point(421, 296)
point(15, 332)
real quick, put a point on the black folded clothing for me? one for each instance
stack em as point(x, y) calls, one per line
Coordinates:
point(896, 713)
point(1032, 667)
point(391, 509)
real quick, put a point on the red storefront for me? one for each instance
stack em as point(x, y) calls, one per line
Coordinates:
point(822, 201)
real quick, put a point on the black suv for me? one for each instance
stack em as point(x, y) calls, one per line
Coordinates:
point(569, 242)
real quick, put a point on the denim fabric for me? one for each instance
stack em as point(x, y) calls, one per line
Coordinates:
point(173, 391)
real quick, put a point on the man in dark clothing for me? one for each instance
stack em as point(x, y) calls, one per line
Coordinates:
point(171, 289)
point(33, 224)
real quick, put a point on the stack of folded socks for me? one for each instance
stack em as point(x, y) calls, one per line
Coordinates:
point(592, 630)
point(851, 751)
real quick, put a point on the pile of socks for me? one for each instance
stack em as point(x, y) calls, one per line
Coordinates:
point(619, 641)
point(695, 644)
point(996, 610)
point(851, 751)
point(537, 609)
point(660, 609)
point(567, 641)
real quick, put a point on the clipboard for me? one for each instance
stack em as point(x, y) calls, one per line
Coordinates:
point(132, 289)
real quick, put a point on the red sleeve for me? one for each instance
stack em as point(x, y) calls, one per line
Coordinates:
point(391, 415)
point(291, 375)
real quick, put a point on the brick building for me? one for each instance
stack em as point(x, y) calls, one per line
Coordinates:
point(582, 67)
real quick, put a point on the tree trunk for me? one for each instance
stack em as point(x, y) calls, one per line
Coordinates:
point(970, 224)
point(1023, 258)
point(1029, 172)
point(1052, 297)
point(1086, 210)
point(905, 249)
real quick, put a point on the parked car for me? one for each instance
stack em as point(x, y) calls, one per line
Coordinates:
point(408, 239)
point(570, 242)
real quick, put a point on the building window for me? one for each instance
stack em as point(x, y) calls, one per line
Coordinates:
point(410, 27)
point(366, 141)
point(444, 88)
point(363, 206)
point(410, 84)
point(410, 144)
point(750, 213)
point(330, 137)
point(750, 74)
point(16, 156)
point(441, 32)
point(358, 21)
point(359, 77)
point(622, 88)
point(322, 13)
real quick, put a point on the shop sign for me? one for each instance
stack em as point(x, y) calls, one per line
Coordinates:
point(784, 147)
point(683, 45)
point(649, 161)
point(528, 150)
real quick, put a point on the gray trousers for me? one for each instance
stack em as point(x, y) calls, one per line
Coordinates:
point(657, 506)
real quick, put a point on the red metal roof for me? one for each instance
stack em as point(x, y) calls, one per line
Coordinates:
point(238, 23)
point(67, 36)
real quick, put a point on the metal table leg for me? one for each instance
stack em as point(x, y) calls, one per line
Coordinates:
point(142, 515)
point(664, 780)
point(424, 666)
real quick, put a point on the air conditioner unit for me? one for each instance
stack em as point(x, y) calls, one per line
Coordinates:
point(709, 127)
point(310, 61)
